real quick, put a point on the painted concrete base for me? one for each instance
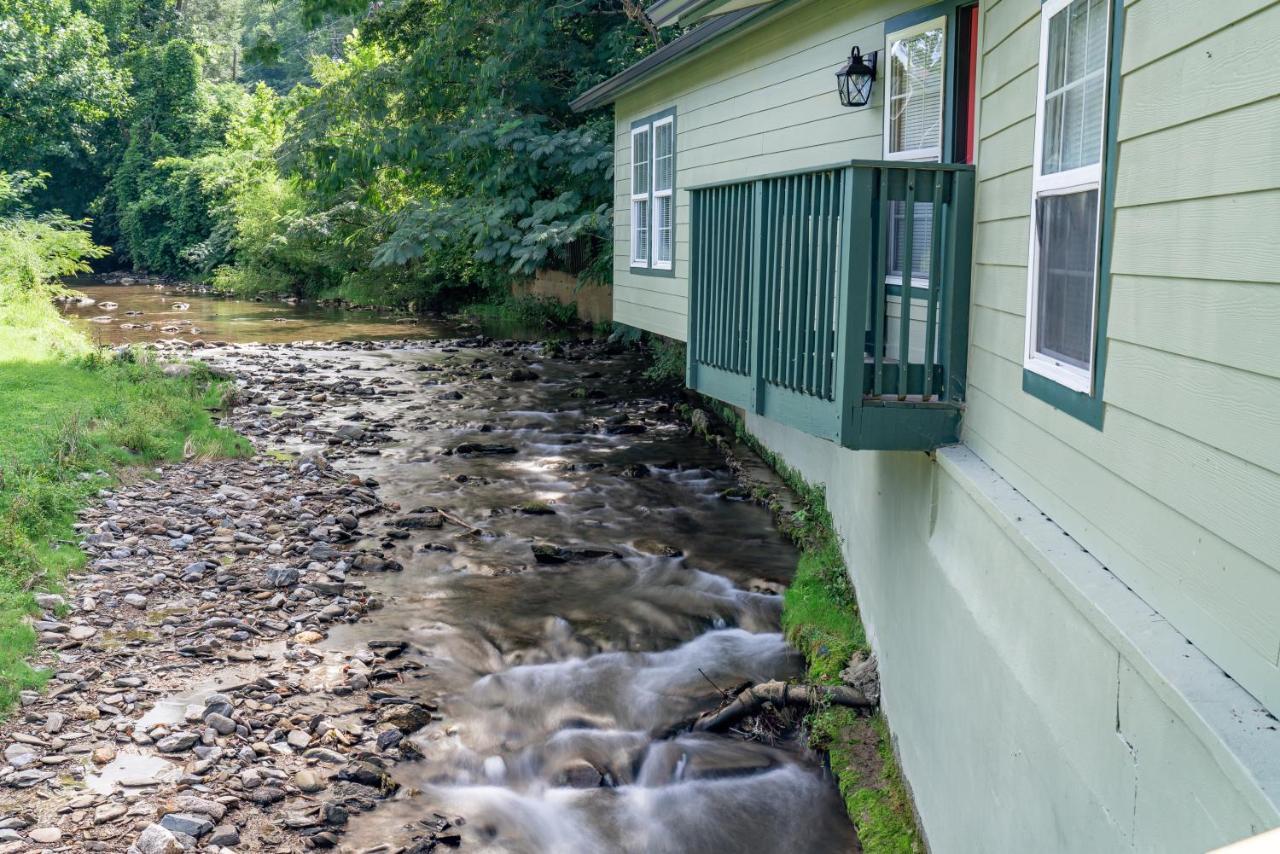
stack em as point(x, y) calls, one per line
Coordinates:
point(1038, 704)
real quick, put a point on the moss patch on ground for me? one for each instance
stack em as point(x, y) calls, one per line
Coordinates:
point(820, 617)
point(68, 426)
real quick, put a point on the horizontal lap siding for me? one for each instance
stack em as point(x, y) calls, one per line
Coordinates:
point(762, 102)
point(1179, 493)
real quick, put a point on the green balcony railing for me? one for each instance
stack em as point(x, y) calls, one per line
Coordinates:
point(836, 300)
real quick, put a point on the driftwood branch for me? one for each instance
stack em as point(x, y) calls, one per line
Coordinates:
point(779, 694)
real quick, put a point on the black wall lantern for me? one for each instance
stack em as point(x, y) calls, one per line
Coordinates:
point(856, 79)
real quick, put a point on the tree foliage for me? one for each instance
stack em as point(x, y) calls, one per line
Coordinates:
point(399, 151)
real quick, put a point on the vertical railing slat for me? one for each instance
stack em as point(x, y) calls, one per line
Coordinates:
point(935, 276)
point(756, 353)
point(789, 286)
point(908, 275)
point(820, 284)
point(877, 284)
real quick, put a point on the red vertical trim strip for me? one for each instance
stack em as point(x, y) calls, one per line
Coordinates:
point(971, 13)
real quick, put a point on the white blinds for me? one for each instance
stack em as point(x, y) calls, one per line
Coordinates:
point(1073, 103)
point(640, 162)
point(664, 156)
point(916, 70)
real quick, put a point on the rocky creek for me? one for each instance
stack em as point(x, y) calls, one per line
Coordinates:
point(470, 593)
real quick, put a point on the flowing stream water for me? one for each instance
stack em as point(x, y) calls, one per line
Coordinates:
point(564, 685)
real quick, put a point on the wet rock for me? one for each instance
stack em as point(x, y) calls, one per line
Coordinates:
point(368, 563)
point(218, 704)
point(156, 839)
point(267, 795)
point(658, 548)
point(190, 824)
point(45, 835)
point(19, 755)
point(28, 778)
point(546, 553)
point(108, 813)
point(579, 775)
point(350, 432)
point(408, 717)
point(197, 805)
point(225, 835)
point(308, 781)
point(50, 601)
point(370, 775)
point(220, 724)
point(479, 449)
point(279, 575)
point(862, 673)
point(178, 742)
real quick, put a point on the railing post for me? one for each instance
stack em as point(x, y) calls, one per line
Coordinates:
point(693, 337)
point(857, 265)
point(955, 306)
point(756, 345)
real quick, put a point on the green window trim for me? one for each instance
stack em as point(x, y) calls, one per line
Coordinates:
point(650, 270)
point(1090, 408)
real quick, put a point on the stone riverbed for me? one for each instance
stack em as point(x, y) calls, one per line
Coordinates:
point(468, 594)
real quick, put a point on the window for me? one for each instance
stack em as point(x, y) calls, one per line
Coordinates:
point(913, 132)
point(640, 188)
point(664, 181)
point(917, 69)
point(1062, 312)
point(653, 181)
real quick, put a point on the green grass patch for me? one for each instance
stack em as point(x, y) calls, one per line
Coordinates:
point(67, 427)
point(820, 617)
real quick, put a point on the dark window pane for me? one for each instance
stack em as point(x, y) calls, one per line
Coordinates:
point(1067, 236)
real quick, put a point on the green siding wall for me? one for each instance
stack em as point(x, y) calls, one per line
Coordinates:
point(1179, 493)
point(763, 102)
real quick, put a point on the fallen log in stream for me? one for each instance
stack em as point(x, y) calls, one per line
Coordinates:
point(779, 694)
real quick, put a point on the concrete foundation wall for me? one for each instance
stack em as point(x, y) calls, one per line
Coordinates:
point(1038, 704)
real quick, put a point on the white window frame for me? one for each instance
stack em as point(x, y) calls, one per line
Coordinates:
point(916, 155)
point(932, 155)
point(1078, 180)
point(669, 193)
point(638, 260)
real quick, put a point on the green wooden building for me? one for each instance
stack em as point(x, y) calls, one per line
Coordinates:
point(1010, 289)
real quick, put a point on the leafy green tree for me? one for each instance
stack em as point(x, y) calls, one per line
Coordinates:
point(58, 88)
point(158, 210)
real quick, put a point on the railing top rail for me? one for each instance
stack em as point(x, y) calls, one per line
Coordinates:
point(922, 166)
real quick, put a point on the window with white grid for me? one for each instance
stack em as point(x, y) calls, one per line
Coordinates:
point(641, 187)
point(1067, 192)
point(664, 181)
point(917, 59)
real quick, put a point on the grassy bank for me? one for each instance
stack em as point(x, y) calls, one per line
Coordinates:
point(69, 424)
point(820, 617)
